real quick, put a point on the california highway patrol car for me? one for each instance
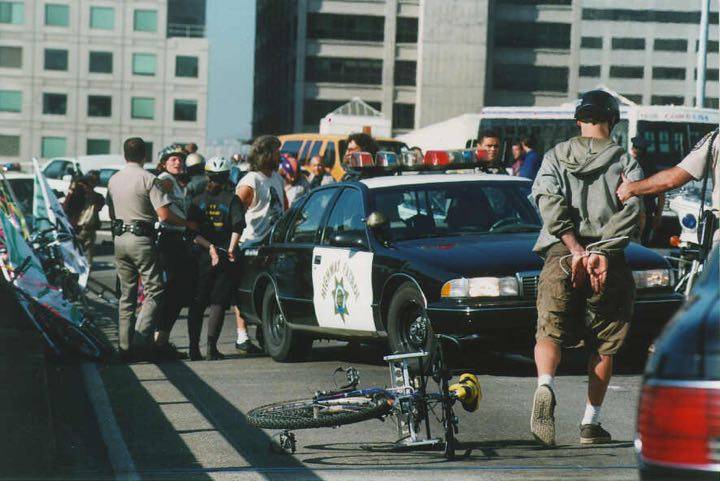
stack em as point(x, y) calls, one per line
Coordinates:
point(400, 256)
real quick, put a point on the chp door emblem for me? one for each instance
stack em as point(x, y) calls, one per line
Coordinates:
point(340, 297)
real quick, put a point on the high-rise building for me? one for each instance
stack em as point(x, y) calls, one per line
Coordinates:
point(423, 61)
point(77, 77)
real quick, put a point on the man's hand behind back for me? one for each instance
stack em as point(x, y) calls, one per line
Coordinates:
point(597, 267)
point(579, 271)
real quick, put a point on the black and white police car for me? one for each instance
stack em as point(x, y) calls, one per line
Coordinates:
point(400, 256)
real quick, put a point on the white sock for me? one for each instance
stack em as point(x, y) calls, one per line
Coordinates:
point(592, 414)
point(242, 336)
point(546, 379)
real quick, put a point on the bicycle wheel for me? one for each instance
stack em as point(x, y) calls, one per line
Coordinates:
point(312, 413)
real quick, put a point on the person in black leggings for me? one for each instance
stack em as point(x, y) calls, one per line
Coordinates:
point(219, 214)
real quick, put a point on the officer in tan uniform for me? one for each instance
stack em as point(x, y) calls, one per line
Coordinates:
point(136, 202)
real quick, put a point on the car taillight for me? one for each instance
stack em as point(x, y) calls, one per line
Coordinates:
point(680, 425)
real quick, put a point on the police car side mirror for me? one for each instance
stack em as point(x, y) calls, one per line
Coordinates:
point(352, 239)
point(379, 225)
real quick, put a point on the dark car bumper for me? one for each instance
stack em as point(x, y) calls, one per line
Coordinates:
point(518, 317)
point(652, 472)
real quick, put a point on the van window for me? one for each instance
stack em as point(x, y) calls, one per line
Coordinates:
point(303, 156)
point(291, 147)
point(329, 156)
point(315, 149)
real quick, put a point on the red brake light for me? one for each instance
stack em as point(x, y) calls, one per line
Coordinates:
point(437, 157)
point(676, 425)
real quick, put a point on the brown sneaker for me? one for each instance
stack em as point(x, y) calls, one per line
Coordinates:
point(542, 419)
point(594, 434)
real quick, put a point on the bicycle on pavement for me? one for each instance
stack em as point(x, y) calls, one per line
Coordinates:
point(420, 389)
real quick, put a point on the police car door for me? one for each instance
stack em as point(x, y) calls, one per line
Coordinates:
point(342, 268)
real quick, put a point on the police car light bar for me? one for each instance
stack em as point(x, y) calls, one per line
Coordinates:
point(362, 164)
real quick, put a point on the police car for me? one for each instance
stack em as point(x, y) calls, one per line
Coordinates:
point(398, 257)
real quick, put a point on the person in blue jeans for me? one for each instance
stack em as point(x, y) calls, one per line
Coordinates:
point(532, 161)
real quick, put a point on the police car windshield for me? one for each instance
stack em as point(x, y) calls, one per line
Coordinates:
point(457, 208)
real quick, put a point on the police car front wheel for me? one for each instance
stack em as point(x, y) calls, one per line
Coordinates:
point(408, 326)
point(281, 342)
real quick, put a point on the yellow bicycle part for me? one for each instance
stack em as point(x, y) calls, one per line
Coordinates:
point(467, 391)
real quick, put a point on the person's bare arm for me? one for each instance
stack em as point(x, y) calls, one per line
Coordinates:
point(578, 274)
point(246, 195)
point(234, 239)
point(203, 242)
point(663, 181)
point(168, 216)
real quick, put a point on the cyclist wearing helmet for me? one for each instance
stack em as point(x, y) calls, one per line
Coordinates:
point(586, 288)
point(220, 215)
point(296, 185)
point(196, 178)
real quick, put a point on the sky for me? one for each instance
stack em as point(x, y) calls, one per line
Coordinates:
point(231, 35)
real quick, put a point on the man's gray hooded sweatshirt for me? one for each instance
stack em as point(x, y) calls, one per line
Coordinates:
point(575, 190)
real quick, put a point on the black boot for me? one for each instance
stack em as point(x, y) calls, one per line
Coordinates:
point(212, 351)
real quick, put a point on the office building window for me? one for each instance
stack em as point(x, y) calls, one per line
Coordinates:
point(56, 59)
point(712, 46)
point(532, 35)
point(53, 147)
point(710, 74)
point(10, 145)
point(57, 15)
point(407, 30)
point(535, 2)
point(530, 78)
point(403, 116)
point(667, 100)
point(645, 15)
point(671, 44)
point(101, 62)
point(145, 20)
point(620, 43)
point(54, 104)
point(97, 146)
point(344, 70)
point(620, 71)
point(591, 42)
point(405, 72)
point(142, 108)
point(589, 70)
point(711, 102)
point(143, 64)
point(148, 152)
point(186, 66)
point(11, 57)
point(637, 98)
point(668, 73)
point(185, 110)
point(346, 27)
point(99, 106)
point(12, 12)
point(10, 101)
point(102, 18)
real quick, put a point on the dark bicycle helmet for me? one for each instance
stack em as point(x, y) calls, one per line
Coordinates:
point(597, 106)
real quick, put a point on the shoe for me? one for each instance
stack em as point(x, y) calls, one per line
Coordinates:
point(594, 434)
point(247, 348)
point(195, 354)
point(214, 355)
point(542, 420)
point(169, 352)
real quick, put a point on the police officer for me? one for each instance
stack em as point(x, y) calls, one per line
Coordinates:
point(135, 202)
point(197, 179)
point(220, 216)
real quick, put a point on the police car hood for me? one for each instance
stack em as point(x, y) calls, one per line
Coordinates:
point(497, 254)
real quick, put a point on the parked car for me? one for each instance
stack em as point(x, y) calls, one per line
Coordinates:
point(678, 421)
point(60, 171)
point(453, 255)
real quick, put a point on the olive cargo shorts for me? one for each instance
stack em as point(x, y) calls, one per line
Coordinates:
point(573, 317)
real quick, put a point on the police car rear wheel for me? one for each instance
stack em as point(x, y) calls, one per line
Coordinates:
point(281, 343)
point(408, 327)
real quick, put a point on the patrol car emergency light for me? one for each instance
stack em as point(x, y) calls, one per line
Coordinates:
point(360, 159)
point(450, 158)
point(411, 159)
point(386, 158)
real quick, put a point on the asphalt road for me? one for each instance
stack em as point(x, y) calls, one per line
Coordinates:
point(186, 420)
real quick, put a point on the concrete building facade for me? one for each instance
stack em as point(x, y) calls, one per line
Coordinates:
point(423, 61)
point(78, 77)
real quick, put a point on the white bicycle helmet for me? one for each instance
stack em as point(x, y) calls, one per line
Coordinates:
point(217, 165)
point(193, 159)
